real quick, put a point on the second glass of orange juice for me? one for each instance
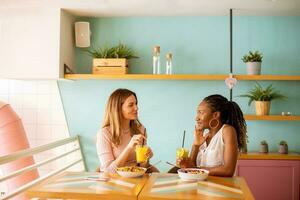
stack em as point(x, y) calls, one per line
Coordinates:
point(181, 153)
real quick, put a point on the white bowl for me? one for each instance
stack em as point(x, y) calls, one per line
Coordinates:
point(191, 174)
point(128, 173)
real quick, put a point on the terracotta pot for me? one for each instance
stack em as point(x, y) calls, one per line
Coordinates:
point(253, 68)
point(283, 149)
point(264, 148)
point(262, 107)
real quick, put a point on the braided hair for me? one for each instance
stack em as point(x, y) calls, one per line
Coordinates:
point(230, 114)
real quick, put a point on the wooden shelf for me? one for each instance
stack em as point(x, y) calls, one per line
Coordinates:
point(149, 76)
point(269, 156)
point(180, 77)
point(272, 117)
point(268, 77)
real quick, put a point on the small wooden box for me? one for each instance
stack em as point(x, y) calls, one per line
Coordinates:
point(110, 66)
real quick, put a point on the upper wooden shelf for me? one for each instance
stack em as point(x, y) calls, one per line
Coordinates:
point(272, 117)
point(181, 77)
point(149, 76)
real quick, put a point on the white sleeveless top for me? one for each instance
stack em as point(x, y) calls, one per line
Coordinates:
point(213, 154)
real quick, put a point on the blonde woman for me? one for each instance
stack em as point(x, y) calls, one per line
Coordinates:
point(121, 132)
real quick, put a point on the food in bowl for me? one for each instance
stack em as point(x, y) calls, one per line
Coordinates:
point(190, 174)
point(131, 171)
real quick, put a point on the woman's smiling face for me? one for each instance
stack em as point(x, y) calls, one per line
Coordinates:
point(130, 108)
point(203, 116)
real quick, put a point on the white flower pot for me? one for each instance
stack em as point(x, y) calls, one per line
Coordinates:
point(253, 68)
point(264, 148)
point(283, 149)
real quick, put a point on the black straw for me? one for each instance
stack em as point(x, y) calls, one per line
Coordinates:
point(183, 139)
point(143, 141)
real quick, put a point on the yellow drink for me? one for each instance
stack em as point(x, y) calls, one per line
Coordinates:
point(182, 153)
point(141, 153)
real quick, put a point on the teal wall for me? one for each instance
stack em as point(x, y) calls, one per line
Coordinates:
point(199, 45)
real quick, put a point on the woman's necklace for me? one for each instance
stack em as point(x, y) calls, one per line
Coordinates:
point(125, 131)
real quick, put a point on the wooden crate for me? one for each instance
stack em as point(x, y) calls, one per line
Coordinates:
point(110, 66)
point(110, 70)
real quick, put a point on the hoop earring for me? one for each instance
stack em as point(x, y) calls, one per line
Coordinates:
point(210, 123)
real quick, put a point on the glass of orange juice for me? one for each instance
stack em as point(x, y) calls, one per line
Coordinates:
point(181, 153)
point(141, 151)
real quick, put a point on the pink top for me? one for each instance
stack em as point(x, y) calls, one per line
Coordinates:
point(108, 152)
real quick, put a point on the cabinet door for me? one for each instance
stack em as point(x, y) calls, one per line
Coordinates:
point(271, 179)
point(29, 39)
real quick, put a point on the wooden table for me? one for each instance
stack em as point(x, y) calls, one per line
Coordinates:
point(158, 186)
point(169, 186)
point(74, 185)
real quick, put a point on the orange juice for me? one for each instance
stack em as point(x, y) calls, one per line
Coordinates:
point(141, 153)
point(182, 153)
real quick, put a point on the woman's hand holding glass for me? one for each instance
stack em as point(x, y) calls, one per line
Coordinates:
point(143, 152)
point(184, 162)
point(147, 155)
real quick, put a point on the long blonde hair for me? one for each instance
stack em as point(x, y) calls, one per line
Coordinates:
point(113, 115)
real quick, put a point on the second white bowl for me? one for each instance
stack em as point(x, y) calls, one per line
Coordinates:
point(190, 174)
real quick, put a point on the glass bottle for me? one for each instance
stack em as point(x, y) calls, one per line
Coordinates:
point(156, 60)
point(169, 63)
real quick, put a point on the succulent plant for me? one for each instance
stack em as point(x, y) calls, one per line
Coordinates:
point(282, 142)
point(260, 94)
point(252, 57)
point(264, 142)
point(118, 51)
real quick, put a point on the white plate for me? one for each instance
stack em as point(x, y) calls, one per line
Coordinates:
point(184, 174)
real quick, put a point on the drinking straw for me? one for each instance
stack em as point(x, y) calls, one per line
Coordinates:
point(143, 141)
point(183, 138)
point(171, 164)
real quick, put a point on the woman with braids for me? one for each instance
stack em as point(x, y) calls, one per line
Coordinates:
point(217, 150)
point(121, 132)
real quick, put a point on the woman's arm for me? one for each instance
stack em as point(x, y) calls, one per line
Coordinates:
point(104, 149)
point(135, 140)
point(230, 154)
point(199, 139)
point(193, 154)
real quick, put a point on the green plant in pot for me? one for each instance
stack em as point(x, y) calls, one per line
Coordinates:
point(263, 147)
point(111, 60)
point(283, 147)
point(118, 51)
point(253, 62)
point(262, 98)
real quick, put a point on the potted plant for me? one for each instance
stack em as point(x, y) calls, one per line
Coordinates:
point(263, 147)
point(253, 62)
point(262, 98)
point(112, 60)
point(283, 147)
